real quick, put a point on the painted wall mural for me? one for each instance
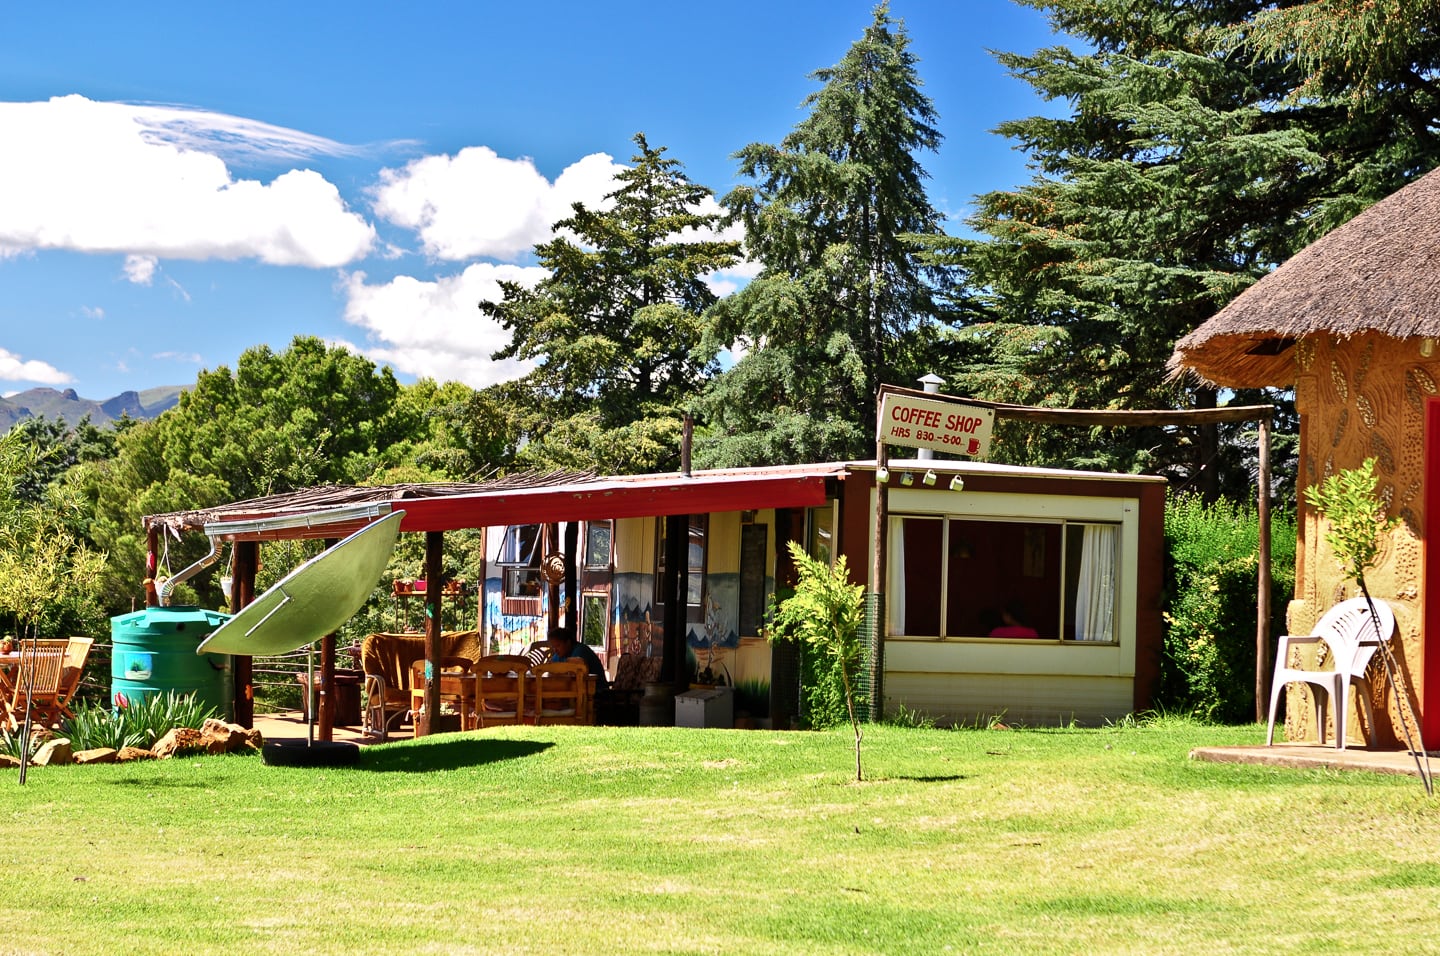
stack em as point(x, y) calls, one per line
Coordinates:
point(511, 633)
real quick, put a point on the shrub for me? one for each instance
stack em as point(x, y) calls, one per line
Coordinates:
point(135, 723)
point(824, 615)
point(1208, 667)
point(10, 742)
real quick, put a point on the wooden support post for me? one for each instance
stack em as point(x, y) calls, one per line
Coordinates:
point(674, 586)
point(482, 624)
point(152, 561)
point(552, 618)
point(242, 592)
point(1262, 598)
point(572, 577)
point(878, 570)
point(325, 699)
point(434, 569)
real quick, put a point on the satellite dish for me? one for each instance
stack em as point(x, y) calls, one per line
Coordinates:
point(314, 599)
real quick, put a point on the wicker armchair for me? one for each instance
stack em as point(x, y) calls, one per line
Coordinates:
point(386, 660)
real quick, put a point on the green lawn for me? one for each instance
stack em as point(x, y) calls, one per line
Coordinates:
point(611, 840)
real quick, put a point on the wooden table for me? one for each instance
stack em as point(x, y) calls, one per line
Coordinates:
point(459, 687)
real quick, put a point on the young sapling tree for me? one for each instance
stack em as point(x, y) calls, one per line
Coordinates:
point(824, 613)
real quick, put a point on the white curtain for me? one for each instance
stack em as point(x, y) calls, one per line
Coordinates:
point(895, 578)
point(1095, 596)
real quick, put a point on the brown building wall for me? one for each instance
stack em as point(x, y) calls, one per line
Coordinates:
point(1364, 398)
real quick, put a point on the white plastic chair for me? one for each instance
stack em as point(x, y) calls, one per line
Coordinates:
point(1348, 633)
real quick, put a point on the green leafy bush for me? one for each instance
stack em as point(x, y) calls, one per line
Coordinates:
point(1208, 668)
point(824, 614)
point(94, 726)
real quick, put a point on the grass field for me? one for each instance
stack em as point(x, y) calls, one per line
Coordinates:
point(624, 840)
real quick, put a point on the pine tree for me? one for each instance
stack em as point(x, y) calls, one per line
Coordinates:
point(1371, 69)
point(832, 218)
point(616, 324)
point(1186, 168)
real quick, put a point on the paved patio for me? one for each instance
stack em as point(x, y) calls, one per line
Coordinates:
point(1302, 756)
point(291, 726)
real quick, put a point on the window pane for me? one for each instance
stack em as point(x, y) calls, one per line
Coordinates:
point(698, 526)
point(522, 582)
point(595, 618)
point(921, 541)
point(520, 546)
point(1003, 574)
point(597, 544)
point(697, 545)
point(820, 534)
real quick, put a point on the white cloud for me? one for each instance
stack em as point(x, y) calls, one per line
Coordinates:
point(188, 357)
point(151, 181)
point(725, 281)
point(15, 369)
point(140, 269)
point(436, 329)
point(92, 312)
point(478, 204)
point(234, 138)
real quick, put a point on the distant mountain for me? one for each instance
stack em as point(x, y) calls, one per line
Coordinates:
point(67, 405)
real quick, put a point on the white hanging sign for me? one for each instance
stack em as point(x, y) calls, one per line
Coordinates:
point(940, 426)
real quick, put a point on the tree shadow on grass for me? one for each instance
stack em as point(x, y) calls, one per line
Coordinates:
point(945, 778)
point(446, 754)
point(155, 783)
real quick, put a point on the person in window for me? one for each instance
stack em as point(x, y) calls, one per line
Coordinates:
point(1012, 622)
point(564, 647)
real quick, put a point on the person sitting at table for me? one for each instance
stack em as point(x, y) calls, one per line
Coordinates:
point(564, 647)
point(1012, 622)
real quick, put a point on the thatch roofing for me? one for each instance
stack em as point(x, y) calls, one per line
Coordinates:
point(1380, 272)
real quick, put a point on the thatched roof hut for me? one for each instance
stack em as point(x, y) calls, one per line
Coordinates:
point(1380, 272)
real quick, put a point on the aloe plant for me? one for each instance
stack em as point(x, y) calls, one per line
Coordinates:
point(137, 723)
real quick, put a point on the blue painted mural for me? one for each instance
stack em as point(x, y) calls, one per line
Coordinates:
point(511, 633)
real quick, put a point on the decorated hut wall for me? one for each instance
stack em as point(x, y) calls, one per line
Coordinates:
point(1351, 321)
point(1365, 397)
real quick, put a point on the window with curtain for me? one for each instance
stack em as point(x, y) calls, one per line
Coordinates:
point(960, 577)
point(1092, 596)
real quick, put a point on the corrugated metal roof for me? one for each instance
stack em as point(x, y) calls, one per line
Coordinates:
point(439, 507)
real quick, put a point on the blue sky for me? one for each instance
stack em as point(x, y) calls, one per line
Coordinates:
point(182, 181)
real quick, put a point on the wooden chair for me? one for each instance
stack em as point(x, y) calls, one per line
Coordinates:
point(1348, 632)
point(459, 694)
point(36, 684)
point(557, 693)
point(500, 690)
point(77, 652)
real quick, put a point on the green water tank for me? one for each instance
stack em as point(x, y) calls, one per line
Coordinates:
point(154, 652)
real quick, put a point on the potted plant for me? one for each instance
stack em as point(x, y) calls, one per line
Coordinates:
point(711, 675)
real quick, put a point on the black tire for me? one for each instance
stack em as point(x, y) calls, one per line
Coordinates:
point(321, 753)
